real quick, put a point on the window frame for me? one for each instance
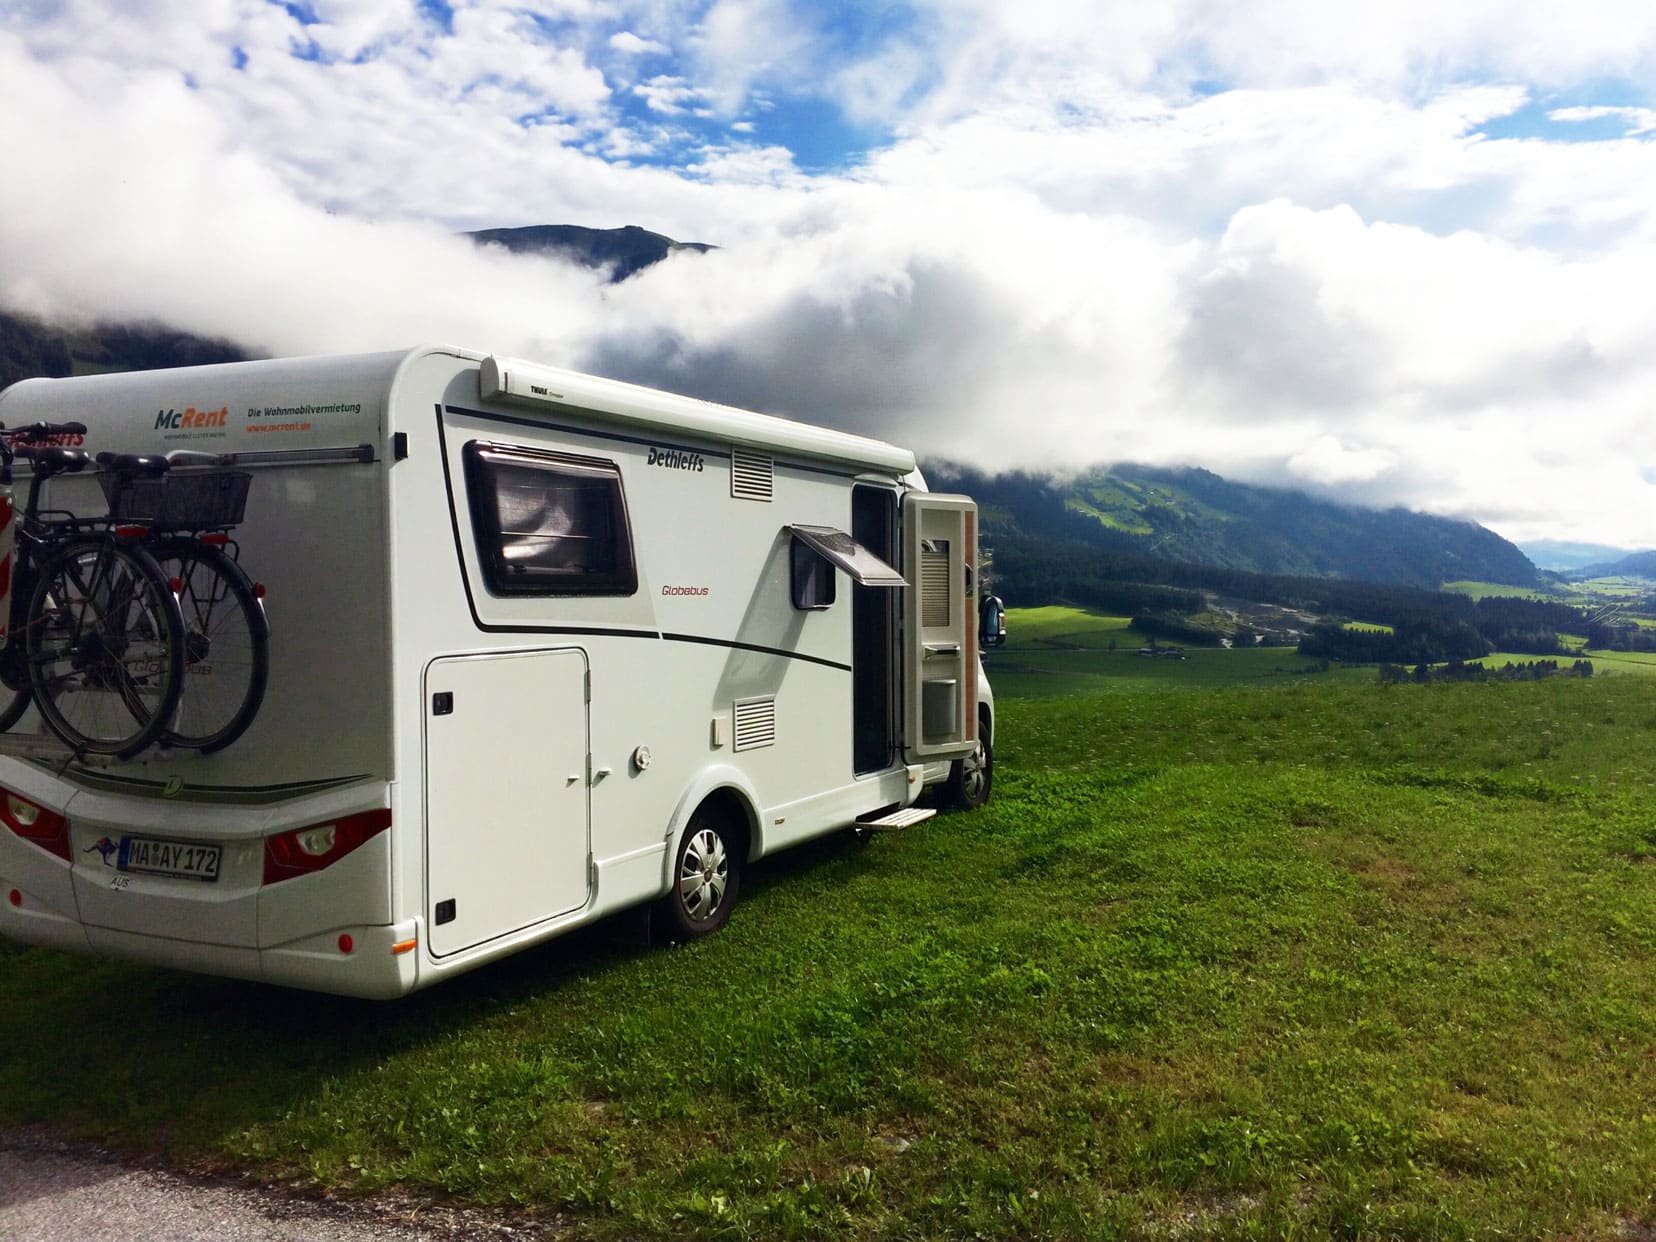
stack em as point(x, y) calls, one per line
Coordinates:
point(480, 458)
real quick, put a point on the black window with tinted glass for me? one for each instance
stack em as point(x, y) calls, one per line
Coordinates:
point(549, 524)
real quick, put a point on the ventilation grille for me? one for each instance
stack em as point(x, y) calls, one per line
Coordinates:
point(934, 584)
point(755, 724)
point(752, 475)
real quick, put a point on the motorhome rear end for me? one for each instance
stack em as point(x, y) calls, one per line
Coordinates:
point(543, 646)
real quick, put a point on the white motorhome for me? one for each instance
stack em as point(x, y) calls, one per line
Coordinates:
point(543, 646)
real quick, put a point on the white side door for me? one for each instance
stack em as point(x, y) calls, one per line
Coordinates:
point(507, 810)
point(940, 659)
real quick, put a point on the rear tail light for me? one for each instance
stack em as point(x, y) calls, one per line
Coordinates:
point(33, 822)
point(302, 851)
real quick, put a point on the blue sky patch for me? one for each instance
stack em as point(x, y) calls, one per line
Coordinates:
point(1536, 118)
point(299, 10)
point(438, 12)
point(818, 134)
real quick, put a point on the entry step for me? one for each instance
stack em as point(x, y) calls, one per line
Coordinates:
point(898, 820)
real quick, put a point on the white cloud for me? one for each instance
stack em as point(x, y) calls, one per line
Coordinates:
point(629, 44)
point(1636, 120)
point(1329, 463)
point(671, 96)
point(1266, 241)
point(740, 43)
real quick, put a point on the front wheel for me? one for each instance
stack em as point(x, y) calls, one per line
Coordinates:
point(972, 779)
point(105, 648)
point(707, 873)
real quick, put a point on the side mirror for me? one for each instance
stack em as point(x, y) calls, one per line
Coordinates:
point(991, 622)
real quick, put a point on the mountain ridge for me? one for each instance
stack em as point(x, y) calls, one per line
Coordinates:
point(625, 251)
point(1192, 516)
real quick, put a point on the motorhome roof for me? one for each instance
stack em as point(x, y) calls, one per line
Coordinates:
point(529, 383)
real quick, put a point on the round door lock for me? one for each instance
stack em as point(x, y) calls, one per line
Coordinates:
point(641, 758)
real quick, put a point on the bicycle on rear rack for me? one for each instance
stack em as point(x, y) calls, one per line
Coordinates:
point(189, 513)
point(93, 634)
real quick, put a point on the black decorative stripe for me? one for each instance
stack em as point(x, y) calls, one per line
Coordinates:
point(774, 651)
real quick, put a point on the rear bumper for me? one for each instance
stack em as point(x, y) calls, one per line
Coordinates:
point(381, 963)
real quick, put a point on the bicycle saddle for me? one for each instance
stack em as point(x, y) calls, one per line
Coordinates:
point(47, 459)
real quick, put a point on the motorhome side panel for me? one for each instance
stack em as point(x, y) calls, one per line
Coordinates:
point(703, 675)
point(314, 535)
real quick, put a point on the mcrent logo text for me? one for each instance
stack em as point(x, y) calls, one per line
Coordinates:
point(174, 420)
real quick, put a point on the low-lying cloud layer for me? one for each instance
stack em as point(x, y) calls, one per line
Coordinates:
point(1379, 270)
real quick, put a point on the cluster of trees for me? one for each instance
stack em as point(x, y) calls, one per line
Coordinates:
point(1456, 670)
point(1426, 626)
point(29, 349)
point(1424, 638)
point(1620, 637)
point(1189, 516)
point(1452, 632)
point(1527, 626)
point(1029, 573)
point(1166, 625)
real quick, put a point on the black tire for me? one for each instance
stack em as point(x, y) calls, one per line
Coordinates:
point(972, 779)
point(226, 645)
point(14, 674)
point(15, 707)
point(707, 875)
point(105, 648)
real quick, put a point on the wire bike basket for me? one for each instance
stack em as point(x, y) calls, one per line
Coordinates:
point(208, 501)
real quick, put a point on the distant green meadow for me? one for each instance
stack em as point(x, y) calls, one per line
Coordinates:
point(1240, 949)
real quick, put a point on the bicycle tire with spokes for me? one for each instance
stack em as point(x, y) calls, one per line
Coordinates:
point(14, 672)
point(105, 647)
point(226, 645)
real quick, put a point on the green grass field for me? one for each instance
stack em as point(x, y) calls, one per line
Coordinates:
point(1060, 651)
point(1230, 955)
point(1482, 590)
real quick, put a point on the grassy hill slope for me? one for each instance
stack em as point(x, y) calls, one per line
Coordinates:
point(1193, 516)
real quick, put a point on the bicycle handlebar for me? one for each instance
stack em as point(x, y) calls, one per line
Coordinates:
point(32, 433)
point(195, 457)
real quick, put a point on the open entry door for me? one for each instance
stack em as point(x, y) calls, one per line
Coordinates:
point(939, 627)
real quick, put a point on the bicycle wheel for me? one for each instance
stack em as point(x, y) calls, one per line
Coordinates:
point(226, 645)
point(14, 671)
point(105, 648)
point(16, 703)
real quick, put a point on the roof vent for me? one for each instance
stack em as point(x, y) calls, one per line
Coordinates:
point(755, 724)
point(752, 475)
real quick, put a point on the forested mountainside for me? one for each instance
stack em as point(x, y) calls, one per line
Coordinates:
point(1190, 516)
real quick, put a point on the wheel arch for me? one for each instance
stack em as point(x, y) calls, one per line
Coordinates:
point(730, 791)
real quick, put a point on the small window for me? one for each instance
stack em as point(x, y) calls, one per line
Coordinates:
point(812, 576)
point(549, 524)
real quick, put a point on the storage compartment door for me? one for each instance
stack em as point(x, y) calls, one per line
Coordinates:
point(507, 839)
point(939, 627)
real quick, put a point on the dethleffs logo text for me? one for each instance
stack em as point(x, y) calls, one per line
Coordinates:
point(173, 420)
point(676, 459)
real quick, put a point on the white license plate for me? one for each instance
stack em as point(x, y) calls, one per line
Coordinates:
point(154, 856)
